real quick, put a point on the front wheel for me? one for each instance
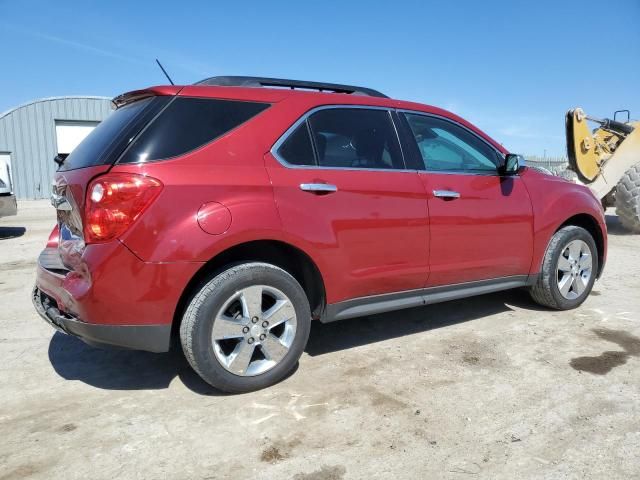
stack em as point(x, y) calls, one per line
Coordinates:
point(246, 328)
point(568, 271)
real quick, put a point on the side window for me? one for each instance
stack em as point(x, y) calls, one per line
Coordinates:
point(355, 138)
point(188, 123)
point(444, 146)
point(297, 148)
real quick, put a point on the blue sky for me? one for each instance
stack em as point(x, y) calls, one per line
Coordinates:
point(511, 67)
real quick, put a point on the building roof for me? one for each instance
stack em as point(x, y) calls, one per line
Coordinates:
point(50, 99)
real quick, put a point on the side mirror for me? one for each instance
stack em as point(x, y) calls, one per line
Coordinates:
point(512, 164)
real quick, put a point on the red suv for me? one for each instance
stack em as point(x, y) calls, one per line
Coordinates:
point(231, 213)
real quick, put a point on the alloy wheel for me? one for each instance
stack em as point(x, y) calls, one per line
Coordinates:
point(254, 330)
point(574, 271)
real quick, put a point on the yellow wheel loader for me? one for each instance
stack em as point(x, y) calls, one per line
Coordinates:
point(607, 160)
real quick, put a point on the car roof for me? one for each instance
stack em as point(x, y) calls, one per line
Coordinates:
point(272, 95)
point(311, 98)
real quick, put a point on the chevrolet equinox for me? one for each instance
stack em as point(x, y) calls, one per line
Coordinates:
point(231, 213)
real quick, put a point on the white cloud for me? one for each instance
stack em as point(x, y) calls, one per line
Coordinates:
point(78, 45)
point(175, 60)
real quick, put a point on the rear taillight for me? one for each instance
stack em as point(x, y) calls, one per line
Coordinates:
point(114, 202)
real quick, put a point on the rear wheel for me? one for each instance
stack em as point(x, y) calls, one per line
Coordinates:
point(246, 328)
point(568, 270)
point(628, 199)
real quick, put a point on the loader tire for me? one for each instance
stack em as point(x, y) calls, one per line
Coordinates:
point(628, 199)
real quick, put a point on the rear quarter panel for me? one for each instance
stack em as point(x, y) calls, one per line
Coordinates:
point(229, 171)
point(554, 201)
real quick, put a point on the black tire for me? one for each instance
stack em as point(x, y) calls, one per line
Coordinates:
point(628, 199)
point(545, 291)
point(198, 320)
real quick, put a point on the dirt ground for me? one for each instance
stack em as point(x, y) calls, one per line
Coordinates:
point(490, 387)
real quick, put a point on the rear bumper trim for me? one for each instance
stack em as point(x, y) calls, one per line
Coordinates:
point(150, 338)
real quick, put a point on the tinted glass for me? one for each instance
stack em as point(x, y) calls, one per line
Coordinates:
point(297, 148)
point(445, 146)
point(189, 123)
point(355, 138)
point(107, 141)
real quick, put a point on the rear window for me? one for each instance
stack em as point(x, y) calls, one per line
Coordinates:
point(186, 124)
point(107, 141)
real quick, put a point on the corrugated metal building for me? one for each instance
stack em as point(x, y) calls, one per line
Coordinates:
point(33, 133)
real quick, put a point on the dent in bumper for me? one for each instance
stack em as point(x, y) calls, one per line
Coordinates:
point(113, 298)
point(151, 338)
point(111, 286)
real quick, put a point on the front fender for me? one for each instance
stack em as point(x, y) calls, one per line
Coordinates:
point(555, 202)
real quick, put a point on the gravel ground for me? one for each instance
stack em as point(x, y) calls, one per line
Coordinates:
point(490, 387)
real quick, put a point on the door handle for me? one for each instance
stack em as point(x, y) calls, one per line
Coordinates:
point(318, 188)
point(446, 194)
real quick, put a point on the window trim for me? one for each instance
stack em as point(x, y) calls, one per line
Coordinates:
point(498, 153)
point(303, 119)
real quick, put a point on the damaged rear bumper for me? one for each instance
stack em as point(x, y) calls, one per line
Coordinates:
point(112, 297)
point(151, 338)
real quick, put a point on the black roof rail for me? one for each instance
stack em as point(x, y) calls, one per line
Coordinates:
point(236, 81)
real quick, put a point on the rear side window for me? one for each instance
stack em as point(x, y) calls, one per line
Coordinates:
point(297, 148)
point(355, 138)
point(188, 123)
point(107, 141)
point(344, 138)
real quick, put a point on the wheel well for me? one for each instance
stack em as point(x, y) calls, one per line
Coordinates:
point(280, 254)
point(590, 224)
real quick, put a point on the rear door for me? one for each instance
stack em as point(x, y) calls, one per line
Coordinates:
point(481, 222)
point(342, 189)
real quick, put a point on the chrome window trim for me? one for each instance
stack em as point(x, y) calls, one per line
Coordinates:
point(476, 174)
point(276, 146)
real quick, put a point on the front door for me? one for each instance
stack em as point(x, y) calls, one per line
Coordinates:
point(481, 222)
point(342, 191)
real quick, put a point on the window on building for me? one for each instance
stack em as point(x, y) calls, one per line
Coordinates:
point(69, 134)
